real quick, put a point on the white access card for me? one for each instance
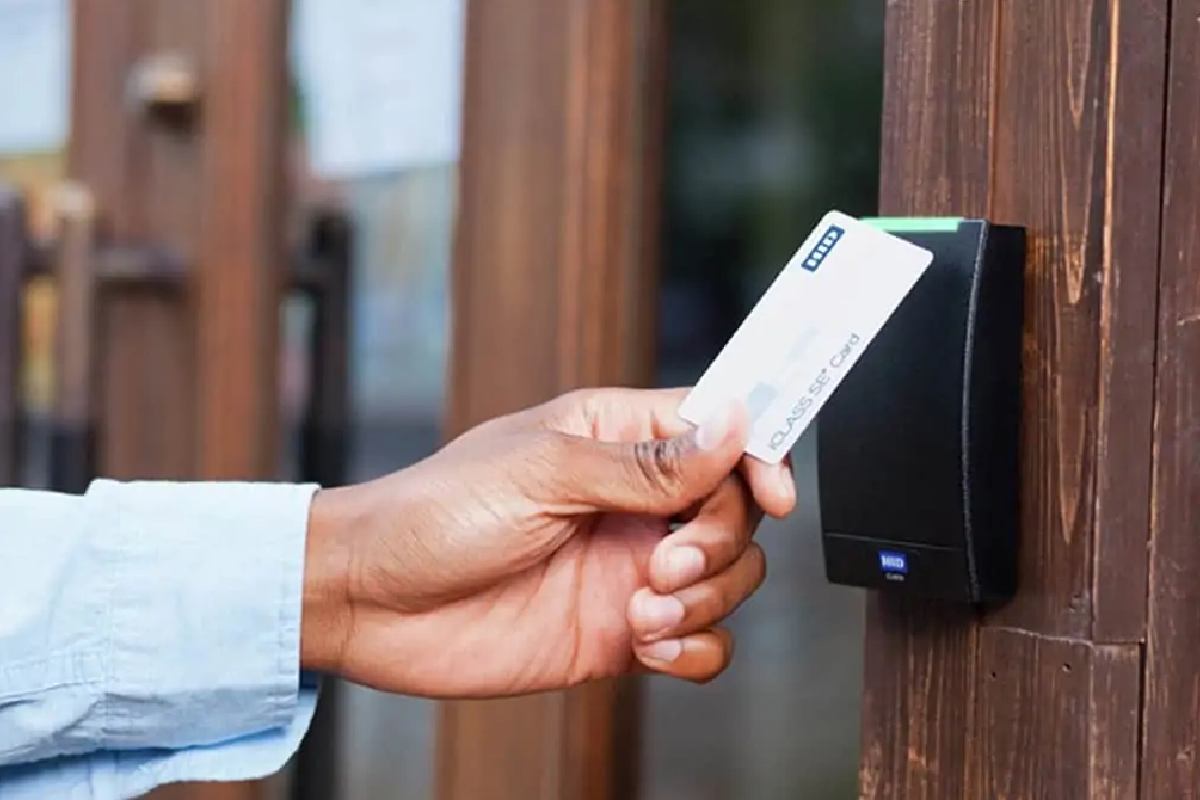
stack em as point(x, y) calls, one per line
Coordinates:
point(808, 330)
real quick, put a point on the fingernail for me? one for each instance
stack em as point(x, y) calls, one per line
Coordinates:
point(684, 565)
point(657, 613)
point(714, 429)
point(663, 652)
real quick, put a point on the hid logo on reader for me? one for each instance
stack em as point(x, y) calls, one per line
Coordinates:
point(894, 565)
point(812, 262)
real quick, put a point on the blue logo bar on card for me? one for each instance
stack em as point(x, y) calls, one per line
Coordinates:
point(833, 234)
point(893, 563)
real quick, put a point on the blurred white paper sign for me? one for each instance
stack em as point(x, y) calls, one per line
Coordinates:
point(381, 81)
point(34, 35)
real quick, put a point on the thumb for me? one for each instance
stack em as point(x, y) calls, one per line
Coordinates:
point(657, 476)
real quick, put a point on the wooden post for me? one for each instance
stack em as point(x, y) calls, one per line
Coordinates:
point(240, 260)
point(553, 289)
point(72, 439)
point(1171, 761)
point(12, 273)
point(1050, 115)
point(178, 116)
point(325, 449)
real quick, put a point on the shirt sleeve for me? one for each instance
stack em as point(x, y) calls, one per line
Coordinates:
point(149, 633)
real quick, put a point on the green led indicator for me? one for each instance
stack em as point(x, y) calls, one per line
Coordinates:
point(915, 224)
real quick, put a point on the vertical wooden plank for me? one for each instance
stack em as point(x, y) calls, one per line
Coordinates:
point(1089, 146)
point(1115, 730)
point(72, 442)
point(1021, 745)
point(510, 193)
point(611, 210)
point(106, 40)
point(1128, 312)
point(144, 180)
point(240, 260)
point(1171, 765)
point(12, 268)
point(1053, 132)
point(939, 73)
point(918, 692)
point(1056, 718)
point(147, 394)
point(553, 288)
point(939, 86)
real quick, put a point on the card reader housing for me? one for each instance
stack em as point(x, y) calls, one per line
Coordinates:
point(918, 448)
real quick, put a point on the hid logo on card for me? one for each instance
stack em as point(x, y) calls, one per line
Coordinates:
point(808, 331)
point(893, 563)
point(816, 257)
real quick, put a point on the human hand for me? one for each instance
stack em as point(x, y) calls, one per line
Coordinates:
point(536, 551)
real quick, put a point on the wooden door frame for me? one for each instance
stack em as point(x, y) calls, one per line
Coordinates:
point(187, 368)
point(1060, 117)
point(1170, 766)
point(554, 287)
point(12, 278)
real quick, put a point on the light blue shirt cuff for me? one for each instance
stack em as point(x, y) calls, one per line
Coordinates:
point(109, 775)
point(179, 641)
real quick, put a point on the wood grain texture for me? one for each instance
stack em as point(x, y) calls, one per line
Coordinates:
point(1088, 146)
point(554, 288)
point(144, 181)
point(240, 255)
point(919, 672)
point(1128, 311)
point(1051, 140)
point(511, 189)
point(1115, 718)
point(1074, 153)
point(1171, 762)
point(939, 84)
point(918, 691)
point(148, 407)
point(1056, 718)
point(12, 268)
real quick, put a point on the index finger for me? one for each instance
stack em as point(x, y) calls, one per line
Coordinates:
point(772, 485)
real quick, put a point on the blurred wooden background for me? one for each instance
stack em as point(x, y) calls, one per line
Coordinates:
point(172, 265)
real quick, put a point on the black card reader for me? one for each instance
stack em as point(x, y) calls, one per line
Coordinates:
point(918, 446)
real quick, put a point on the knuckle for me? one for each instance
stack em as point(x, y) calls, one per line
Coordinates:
point(567, 410)
point(577, 398)
point(659, 464)
point(725, 545)
point(707, 602)
point(544, 457)
point(548, 446)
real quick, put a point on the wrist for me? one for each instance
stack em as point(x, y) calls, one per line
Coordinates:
point(326, 608)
